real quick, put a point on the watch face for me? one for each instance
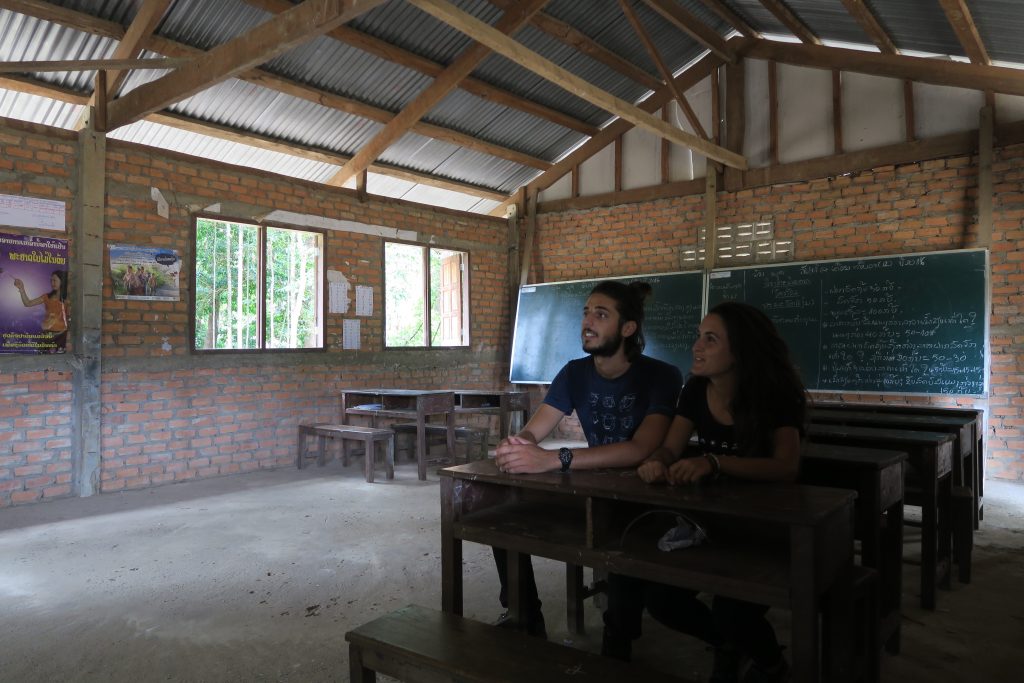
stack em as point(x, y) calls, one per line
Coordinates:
point(565, 457)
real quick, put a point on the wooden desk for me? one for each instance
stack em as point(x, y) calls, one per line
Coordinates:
point(785, 545)
point(877, 477)
point(405, 404)
point(511, 407)
point(931, 456)
point(966, 423)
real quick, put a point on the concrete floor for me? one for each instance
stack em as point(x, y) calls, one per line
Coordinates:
point(257, 577)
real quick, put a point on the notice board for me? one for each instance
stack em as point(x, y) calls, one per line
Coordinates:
point(547, 331)
point(908, 324)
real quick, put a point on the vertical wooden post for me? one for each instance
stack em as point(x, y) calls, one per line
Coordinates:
point(985, 154)
point(773, 113)
point(837, 111)
point(735, 120)
point(87, 308)
point(710, 219)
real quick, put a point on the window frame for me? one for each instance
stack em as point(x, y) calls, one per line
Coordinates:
point(262, 274)
point(466, 293)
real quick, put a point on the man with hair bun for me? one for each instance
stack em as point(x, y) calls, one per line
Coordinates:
point(624, 401)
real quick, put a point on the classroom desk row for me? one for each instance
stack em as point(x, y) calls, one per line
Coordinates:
point(512, 409)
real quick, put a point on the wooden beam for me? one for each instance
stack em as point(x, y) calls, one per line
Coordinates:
point(909, 117)
point(710, 221)
point(959, 17)
point(735, 116)
point(574, 84)
point(867, 20)
point(837, 111)
point(732, 18)
point(90, 65)
point(411, 60)
point(254, 47)
point(617, 164)
point(666, 149)
point(585, 45)
point(716, 113)
point(924, 69)
point(511, 22)
point(773, 112)
point(985, 181)
point(575, 181)
point(791, 21)
point(666, 73)
point(693, 27)
point(679, 188)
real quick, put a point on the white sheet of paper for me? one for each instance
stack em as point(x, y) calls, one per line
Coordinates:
point(364, 300)
point(350, 335)
point(31, 212)
point(162, 208)
point(337, 297)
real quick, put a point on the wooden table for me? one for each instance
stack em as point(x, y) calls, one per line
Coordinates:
point(511, 407)
point(966, 424)
point(405, 404)
point(877, 477)
point(931, 456)
point(785, 545)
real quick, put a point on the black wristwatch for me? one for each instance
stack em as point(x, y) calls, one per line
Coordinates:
point(565, 457)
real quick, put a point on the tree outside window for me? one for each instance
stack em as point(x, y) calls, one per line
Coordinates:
point(426, 296)
point(256, 287)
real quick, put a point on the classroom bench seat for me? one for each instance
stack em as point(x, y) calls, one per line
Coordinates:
point(368, 436)
point(474, 440)
point(418, 644)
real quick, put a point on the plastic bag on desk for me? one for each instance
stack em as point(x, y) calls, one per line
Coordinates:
point(686, 533)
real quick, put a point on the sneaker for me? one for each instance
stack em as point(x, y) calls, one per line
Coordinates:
point(779, 673)
point(534, 624)
point(727, 666)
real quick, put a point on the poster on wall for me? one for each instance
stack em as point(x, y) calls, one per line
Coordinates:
point(147, 273)
point(34, 311)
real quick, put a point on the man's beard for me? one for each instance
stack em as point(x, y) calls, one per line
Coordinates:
point(609, 347)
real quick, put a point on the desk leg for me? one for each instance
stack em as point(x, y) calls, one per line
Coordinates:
point(451, 549)
point(944, 558)
point(804, 605)
point(517, 607)
point(421, 446)
point(357, 672)
point(891, 588)
point(929, 530)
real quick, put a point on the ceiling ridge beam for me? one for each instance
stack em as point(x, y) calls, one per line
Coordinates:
point(108, 29)
point(924, 69)
point(410, 60)
point(429, 97)
point(510, 49)
point(693, 27)
point(254, 47)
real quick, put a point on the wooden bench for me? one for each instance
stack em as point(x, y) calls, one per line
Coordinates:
point(417, 644)
point(474, 440)
point(369, 436)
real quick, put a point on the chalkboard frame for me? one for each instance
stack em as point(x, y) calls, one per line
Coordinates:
point(533, 375)
point(987, 311)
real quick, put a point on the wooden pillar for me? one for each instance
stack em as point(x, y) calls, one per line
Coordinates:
point(735, 120)
point(87, 308)
point(710, 219)
point(985, 153)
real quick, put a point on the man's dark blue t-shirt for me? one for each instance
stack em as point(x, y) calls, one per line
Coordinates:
point(610, 410)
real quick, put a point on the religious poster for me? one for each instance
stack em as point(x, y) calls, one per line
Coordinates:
point(147, 273)
point(34, 315)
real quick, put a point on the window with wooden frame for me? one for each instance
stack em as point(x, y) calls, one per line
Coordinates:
point(426, 296)
point(255, 287)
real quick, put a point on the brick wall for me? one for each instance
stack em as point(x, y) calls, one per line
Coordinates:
point(925, 206)
point(168, 415)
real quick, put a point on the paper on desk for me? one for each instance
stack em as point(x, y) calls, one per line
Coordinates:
point(350, 335)
point(364, 300)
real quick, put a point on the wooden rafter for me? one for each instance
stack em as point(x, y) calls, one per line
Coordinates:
point(510, 49)
point(732, 18)
point(432, 94)
point(265, 79)
point(791, 21)
point(692, 26)
point(867, 20)
point(926, 70)
point(254, 47)
point(585, 45)
point(959, 17)
point(393, 53)
point(91, 65)
point(54, 92)
point(666, 73)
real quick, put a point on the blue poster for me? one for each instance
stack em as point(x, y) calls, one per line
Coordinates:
point(34, 314)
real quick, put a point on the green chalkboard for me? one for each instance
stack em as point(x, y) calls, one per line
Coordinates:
point(908, 324)
point(548, 318)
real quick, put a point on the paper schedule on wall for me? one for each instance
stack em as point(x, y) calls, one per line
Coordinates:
point(337, 297)
point(350, 335)
point(364, 300)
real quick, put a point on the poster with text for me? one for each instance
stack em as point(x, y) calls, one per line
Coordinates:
point(147, 273)
point(34, 314)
